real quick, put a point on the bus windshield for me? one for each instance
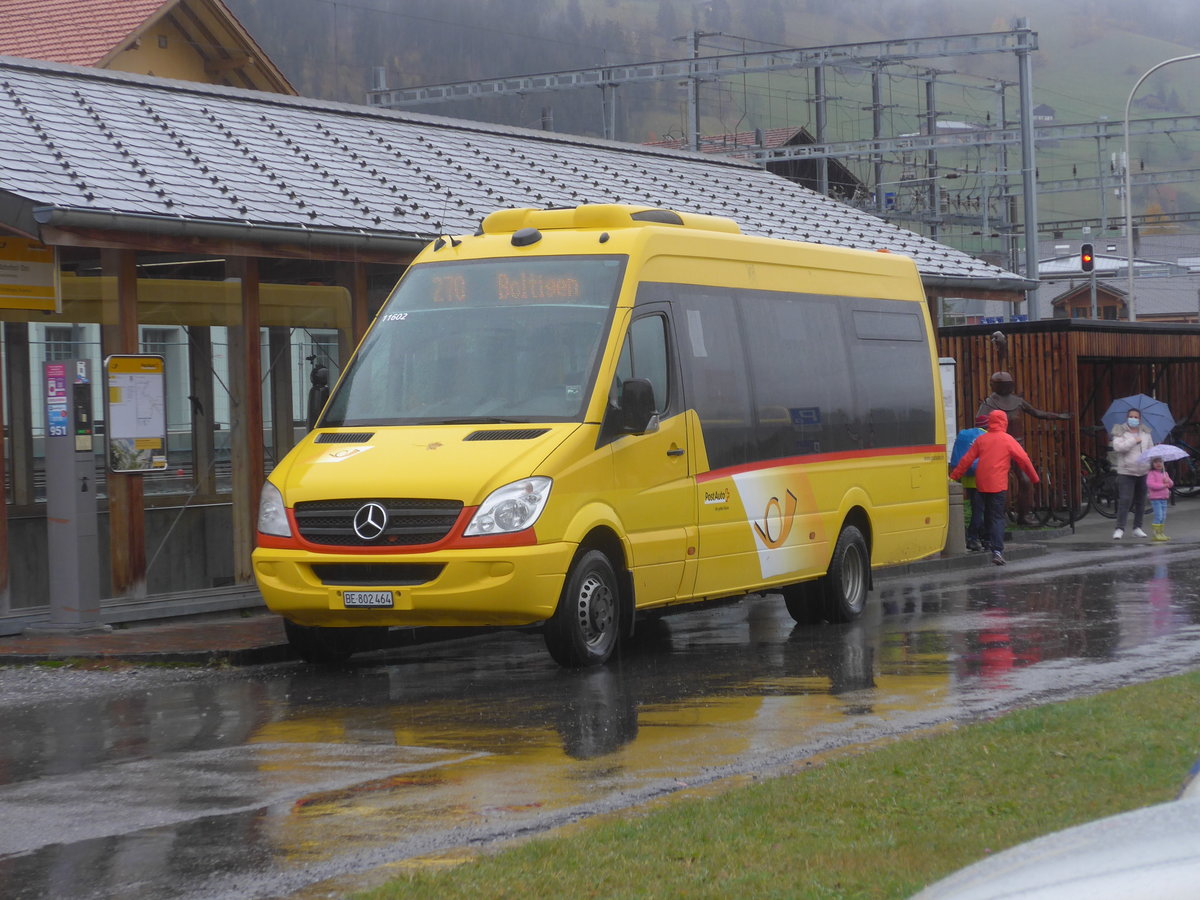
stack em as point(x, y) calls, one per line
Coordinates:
point(498, 340)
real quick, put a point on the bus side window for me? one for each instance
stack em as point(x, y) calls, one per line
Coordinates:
point(648, 339)
point(643, 355)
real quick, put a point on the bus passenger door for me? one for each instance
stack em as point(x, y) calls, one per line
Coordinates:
point(656, 495)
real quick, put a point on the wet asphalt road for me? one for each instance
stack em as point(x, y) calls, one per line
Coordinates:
point(263, 782)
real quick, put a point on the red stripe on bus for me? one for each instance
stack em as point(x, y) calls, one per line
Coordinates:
point(819, 458)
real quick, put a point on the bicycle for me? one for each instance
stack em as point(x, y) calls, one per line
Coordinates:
point(1097, 476)
point(1184, 472)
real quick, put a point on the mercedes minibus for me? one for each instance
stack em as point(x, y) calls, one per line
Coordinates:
point(577, 418)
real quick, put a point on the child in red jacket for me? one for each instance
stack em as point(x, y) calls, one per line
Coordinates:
point(996, 451)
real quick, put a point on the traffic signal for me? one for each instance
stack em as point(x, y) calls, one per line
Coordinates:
point(1086, 260)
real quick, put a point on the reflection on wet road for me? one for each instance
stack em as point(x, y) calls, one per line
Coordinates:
point(258, 783)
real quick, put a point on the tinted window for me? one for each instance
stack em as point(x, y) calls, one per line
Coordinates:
point(715, 379)
point(648, 340)
point(803, 386)
point(774, 375)
point(894, 375)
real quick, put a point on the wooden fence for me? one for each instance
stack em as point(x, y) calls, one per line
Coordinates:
point(1076, 366)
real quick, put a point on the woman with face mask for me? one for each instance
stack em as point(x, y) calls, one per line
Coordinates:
point(1130, 439)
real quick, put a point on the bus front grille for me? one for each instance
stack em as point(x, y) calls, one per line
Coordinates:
point(406, 522)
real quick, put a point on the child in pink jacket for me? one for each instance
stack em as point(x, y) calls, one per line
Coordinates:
point(1158, 489)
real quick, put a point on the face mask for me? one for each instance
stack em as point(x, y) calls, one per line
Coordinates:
point(1133, 423)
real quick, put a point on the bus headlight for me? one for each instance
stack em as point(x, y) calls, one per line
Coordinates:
point(513, 507)
point(272, 515)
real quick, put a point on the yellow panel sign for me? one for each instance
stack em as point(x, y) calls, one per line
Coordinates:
point(136, 413)
point(28, 275)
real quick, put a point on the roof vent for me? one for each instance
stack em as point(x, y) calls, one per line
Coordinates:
point(661, 216)
point(526, 236)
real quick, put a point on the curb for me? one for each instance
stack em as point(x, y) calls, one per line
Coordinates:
point(246, 656)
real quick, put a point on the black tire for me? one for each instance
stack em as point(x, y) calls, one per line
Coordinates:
point(325, 646)
point(849, 576)
point(805, 602)
point(1186, 476)
point(1104, 494)
point(585, 627)
point(840, 595)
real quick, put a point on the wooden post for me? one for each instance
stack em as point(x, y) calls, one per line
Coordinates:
point(200, 395)
point(246, 414)
point(353, 277)
point(283, 433)
point(126, 497)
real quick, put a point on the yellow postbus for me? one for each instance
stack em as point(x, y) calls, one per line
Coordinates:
point(580, 417)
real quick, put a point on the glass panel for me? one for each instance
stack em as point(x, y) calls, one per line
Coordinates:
point(648, 337)
point(715, 378)
point(494, 340)
point(806, 406)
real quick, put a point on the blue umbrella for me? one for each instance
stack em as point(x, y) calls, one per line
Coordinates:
point(1156, 415)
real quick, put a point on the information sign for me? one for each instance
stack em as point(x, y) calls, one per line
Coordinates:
point(28, 275)
point(135, 413)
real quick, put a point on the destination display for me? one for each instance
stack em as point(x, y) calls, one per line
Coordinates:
point(588, 281)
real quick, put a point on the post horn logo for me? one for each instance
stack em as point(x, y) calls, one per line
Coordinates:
point(776, 523)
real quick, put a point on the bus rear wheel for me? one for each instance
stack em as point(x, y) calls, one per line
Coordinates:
point(584, 628)
point(848, 577)
point(841, 594)
point(805, 602)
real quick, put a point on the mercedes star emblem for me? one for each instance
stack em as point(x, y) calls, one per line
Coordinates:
point(370, 520)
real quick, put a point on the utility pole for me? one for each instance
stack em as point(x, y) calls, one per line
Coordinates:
point(876, 134)
point(1028, 165)
point(931, 124)
point(821, 113)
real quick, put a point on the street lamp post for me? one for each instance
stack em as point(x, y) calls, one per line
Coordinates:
point(1128, 194)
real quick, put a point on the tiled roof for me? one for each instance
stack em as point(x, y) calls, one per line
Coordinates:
point(81, 32)
point(142, 153)
point(737, 140)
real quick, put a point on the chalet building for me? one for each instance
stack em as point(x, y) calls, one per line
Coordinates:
point(192, 40)
point(1076, 303)
point(843, 184)
point(1044, 115)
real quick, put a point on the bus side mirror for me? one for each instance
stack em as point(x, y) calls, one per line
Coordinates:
point(638, 415)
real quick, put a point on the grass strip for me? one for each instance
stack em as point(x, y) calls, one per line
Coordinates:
point(880, 822)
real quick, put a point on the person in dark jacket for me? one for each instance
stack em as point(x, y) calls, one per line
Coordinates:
point(996, 452)
point(977, 533)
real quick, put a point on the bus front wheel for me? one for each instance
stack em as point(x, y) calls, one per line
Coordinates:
point(584, 628)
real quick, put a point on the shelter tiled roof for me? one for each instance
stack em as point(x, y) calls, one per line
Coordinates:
point(81, 32)
point(84, 148)
point(733, 141)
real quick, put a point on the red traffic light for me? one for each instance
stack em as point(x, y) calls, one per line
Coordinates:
point(1086, 260)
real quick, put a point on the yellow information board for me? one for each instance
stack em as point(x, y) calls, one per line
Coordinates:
point(135, 413)
point(28, 275)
